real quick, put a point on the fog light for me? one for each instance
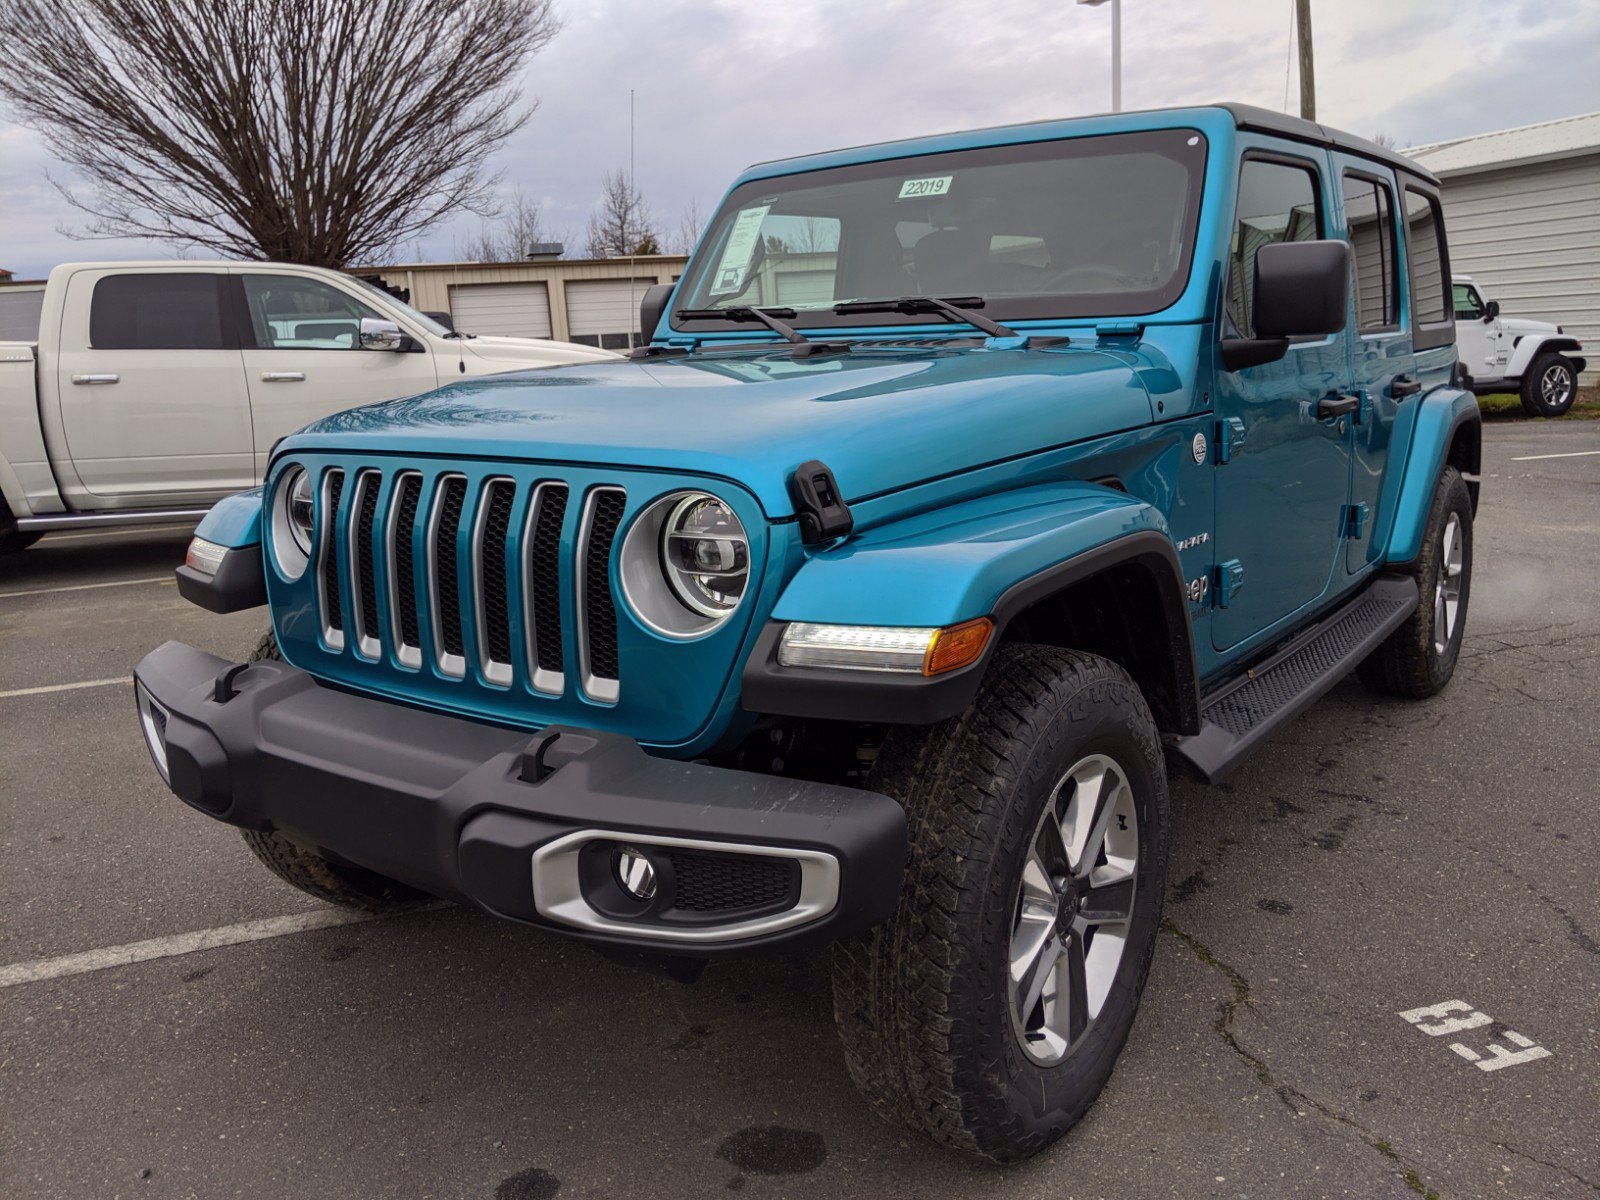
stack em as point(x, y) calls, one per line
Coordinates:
point(636, 875)
point(153, 720)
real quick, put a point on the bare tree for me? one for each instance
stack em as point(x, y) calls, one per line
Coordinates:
point(1386, 140)
point(314, 131)
point(691, 224)
point(510, 234)
point(623, 224)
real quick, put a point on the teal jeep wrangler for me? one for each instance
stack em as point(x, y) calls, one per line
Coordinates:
point(965, 486)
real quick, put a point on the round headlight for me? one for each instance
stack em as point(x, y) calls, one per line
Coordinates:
point(705, 555)
point(293, 514)
point(297, 496)
point(685, 564)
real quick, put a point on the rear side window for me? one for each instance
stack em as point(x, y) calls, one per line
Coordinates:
point(180, 311)
point(1369, 215)
point(1277, 203)
point(1425, 249)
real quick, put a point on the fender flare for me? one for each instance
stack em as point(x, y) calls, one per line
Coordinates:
point(1067, 534)
point(1531, 345)
point(1441, 415)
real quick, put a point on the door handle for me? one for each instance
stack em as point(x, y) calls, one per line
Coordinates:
point(283, 377)
point(87, 379)
point(1404, 385)
point(1336, 405)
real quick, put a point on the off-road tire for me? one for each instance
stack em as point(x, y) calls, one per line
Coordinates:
point(921, 1002)
point(1408, 663)
point(336, 882)
point(1534, 402)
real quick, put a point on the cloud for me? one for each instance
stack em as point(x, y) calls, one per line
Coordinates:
point(718, 85)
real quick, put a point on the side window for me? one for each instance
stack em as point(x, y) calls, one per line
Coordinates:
point(290, 313)
point(1277, 203)
point(1468, 306)
point(180, 311)
point(1369, 215)
point(1430, 298)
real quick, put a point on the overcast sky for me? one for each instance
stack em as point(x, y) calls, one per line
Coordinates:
point(722, 83)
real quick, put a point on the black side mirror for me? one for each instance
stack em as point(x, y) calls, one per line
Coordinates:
point(652, 307)
point(1491, 310)
point(1302, 289)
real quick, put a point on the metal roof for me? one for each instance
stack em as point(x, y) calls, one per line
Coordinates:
point(1565, 138)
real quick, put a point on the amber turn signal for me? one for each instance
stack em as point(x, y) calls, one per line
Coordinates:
point(957, 646)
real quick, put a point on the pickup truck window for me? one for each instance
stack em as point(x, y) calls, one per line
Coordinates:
point(177, 311)
point(1077, 227)
point(290, 313)
point(1369, 215)
point(1278, 202)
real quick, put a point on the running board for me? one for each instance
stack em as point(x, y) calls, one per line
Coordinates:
point(1242, 714)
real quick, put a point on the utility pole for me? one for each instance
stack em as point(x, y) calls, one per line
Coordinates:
point(1308, 72)
point(1116, 49)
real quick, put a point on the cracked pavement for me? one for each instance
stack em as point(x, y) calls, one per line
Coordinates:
point(1377, 856)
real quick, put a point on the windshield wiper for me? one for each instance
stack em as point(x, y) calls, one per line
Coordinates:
point(774, 319)
point(959, 309)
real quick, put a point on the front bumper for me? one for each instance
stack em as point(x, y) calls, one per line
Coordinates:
point(524, 827)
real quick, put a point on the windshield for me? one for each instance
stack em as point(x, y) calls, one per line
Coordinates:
point(1088, 226)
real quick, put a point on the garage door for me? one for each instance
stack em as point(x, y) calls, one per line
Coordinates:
point(605, 312)
point(511, 309)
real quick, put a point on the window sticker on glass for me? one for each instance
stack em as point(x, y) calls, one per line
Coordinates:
point(934, 185)
point(743, 239)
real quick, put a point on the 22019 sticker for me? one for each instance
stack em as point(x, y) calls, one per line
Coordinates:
point(934, 185)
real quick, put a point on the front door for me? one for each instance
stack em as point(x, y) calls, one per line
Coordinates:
point(1477, 335)
point(1282, 492)
point(1382, 362)
point(304, 360)
point(151, 388)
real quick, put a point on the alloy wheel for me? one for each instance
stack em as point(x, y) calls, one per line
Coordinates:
point(1074, 908)
point(1554, 385)
point(1447, 590)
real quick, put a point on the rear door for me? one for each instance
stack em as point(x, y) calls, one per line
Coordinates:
point(303, 355)
point(1281, 494)
point(1382, 362)
point(151, 386)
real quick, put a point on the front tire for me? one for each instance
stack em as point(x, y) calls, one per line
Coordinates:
point(1549, 386)
point(1418, 658)
point(990, 1010)
point(316, 874)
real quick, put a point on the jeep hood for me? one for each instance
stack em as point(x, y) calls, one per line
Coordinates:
point(881, 418)
point(1521, 325)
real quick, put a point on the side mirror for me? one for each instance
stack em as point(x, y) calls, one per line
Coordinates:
point(653, 307)
point(378, 334)
point(1491, 310)
point(1302, 289)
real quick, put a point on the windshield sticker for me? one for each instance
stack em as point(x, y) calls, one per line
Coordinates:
point(743, 239)
point(934, 185)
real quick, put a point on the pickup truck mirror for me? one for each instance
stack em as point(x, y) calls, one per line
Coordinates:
point(1301, 290)
point(652, 306)
point(1491, 310)
point(378, 334)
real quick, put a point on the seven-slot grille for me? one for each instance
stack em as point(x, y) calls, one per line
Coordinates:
point(478, 567)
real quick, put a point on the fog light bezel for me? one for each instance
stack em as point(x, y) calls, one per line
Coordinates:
point(155, 737)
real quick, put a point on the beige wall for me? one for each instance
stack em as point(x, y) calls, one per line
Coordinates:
point(430, 283)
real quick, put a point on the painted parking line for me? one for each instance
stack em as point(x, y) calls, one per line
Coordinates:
point(85, 587)
point(189, 943)
point(65, 687)
point(1569, 454)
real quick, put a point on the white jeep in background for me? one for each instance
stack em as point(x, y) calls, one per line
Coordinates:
point(156, 388)
point(1510, 354)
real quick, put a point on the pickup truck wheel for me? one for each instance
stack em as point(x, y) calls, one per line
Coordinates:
point(990, 1010)
point(315, 874)
point(1418, 659)
point(1549, 386)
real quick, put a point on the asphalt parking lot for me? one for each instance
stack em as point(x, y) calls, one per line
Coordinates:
point(1377, 858)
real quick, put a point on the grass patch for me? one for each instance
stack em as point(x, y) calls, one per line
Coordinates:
point(1507, 406)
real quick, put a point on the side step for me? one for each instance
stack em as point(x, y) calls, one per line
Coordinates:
point(1242, 714)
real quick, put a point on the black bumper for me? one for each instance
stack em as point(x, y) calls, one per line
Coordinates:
point(524, 826)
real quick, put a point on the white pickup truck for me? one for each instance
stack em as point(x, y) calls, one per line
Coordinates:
point(157, 388)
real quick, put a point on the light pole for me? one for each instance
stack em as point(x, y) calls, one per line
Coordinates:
point(1116, 49)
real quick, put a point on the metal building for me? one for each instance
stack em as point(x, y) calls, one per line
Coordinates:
point(1522, 207)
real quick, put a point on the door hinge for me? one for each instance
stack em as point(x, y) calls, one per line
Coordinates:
point(1230, 436)
point(1353, 517)
point(1230, 578)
